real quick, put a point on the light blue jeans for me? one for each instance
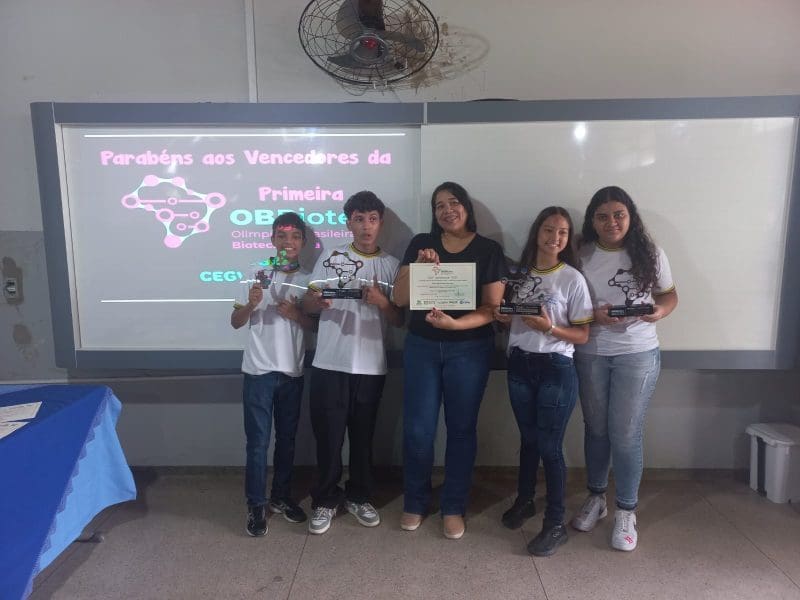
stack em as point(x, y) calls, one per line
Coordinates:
point(615, 392)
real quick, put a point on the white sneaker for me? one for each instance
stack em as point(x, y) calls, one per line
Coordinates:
point(593, 509)
point(321, 520)
point(364, 513)
point(624, 536)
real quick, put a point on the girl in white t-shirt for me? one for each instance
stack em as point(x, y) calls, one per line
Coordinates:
point(542, 383)
point(619, 366)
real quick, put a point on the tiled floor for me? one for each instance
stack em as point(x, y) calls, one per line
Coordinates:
point(702, 535)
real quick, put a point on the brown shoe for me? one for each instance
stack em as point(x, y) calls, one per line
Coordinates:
point(453, 526)
point(410, 521)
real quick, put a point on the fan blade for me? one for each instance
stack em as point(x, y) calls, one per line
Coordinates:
point(345, 60)
point(367, 53)
point(354, 16)
point(409, 40)
point(347, 22)
point(370, 13)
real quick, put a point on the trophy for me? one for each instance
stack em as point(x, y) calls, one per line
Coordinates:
point(266, 273)
point(630, 286)
point(630, 310)
point(346, 269)
point(520, 297)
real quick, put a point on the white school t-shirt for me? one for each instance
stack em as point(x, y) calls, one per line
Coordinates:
point(275, 343)
point(607, 272)
point(351, 332)
point(563, 293)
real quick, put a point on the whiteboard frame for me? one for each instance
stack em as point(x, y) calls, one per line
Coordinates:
point(48, 117)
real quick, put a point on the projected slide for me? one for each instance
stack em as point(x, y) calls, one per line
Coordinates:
point(168, 210)
point(168, 224)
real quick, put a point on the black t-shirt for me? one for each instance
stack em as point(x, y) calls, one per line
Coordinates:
point(490, 266)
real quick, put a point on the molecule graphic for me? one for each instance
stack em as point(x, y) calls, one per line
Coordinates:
point(344, 266)
point(523, 289)
point(179, 222)
point(630, 286)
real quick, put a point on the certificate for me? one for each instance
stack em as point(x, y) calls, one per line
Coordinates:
point(446, 286)
point(19, 412)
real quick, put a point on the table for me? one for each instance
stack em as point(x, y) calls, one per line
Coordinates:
point(56, 473)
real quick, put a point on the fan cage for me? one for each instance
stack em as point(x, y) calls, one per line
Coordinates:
point(320, 39)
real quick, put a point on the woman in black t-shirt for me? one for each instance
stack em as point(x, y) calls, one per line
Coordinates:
point(446, 359)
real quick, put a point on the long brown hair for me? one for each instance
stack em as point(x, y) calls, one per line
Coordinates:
point(567, 255)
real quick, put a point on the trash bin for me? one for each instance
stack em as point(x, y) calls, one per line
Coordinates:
point(775, 460)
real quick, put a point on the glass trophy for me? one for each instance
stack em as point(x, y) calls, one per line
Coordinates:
point(346, 268)
point(629, 285)
point(265, 269)
point(519, 297)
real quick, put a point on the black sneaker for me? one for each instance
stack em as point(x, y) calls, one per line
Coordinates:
point(548, 540)
point(256, 521)
point(522, 509)
point(288, 508)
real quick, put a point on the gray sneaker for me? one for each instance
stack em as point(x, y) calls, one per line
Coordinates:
point(364, 513)
point(593, 509)
point(321, 520)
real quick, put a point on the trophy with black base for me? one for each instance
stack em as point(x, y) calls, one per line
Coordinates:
point(630, 285)
point(346, 268)
point(630, 310)
point(519, 297)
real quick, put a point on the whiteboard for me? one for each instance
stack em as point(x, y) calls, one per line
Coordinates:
point(714, 179)
point(714, 193)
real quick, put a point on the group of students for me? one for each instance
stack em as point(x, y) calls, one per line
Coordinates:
point(572, 345)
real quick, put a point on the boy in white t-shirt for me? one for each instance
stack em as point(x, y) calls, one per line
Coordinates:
point(273, 373)
point(349, 367)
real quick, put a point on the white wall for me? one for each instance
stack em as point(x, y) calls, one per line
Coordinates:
point(197, 50)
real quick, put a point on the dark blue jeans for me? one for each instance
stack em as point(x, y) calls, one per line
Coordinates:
point(543, 389)
point(264, 397)
point(456, 373)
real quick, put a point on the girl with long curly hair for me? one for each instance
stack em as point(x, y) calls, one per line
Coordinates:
point(619, 366)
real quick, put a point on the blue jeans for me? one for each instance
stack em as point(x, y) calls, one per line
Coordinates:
point(456, 373)
point(615, 392)
point(543, 389)
point(265, 396)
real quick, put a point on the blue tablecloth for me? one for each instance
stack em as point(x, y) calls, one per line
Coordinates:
point(56, 473)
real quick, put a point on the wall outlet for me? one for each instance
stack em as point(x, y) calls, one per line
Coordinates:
point(10, 288)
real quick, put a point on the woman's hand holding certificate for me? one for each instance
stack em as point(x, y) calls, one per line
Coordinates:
point(446, 286)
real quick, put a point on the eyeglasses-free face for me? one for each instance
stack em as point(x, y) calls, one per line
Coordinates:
point(289, 240)
point(450, 213)
point(611, 222)
point(551, 239)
